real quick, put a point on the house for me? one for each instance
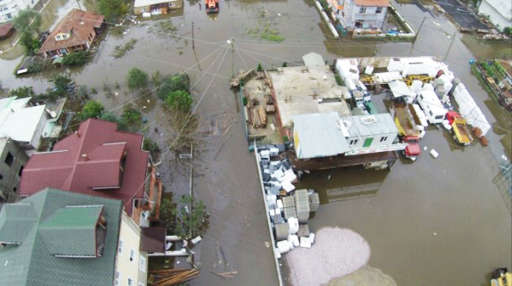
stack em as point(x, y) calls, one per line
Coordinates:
point(6, 30)
point(326, 140)
point(98, 160)
point(499, 12)
point(76, 32)
point(9, 9)
point(61, 238)
point(155, 7)
point(12, 160)
point(360, 14)
point(22, 122)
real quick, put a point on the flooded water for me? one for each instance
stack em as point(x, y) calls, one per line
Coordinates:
point(400, 211)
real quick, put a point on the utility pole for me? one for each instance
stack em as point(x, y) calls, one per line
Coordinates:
point(193, 39)
point(231, 42)
point(450, 46)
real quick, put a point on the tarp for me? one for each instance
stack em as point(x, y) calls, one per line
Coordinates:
point(469, 109)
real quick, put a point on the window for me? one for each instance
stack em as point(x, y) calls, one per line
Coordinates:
point(21, 171)
point(116, 280)
point(120, 246)
point(9, 159)
point(132, 254)
point(1, 176)
point(362, 10)
point(142, 264)
point(367, 142)
point(353, 142)
point(379, 10)
point(383, 138)
point(141, 284)
point(130, 282)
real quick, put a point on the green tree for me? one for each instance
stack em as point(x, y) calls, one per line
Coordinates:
point(92, 109)
point(173, 83)
point(137, 79)
point(151, 146)
point(191, 217)
point(112, 9)
point(179, 100)
point(30, 42)
point(131, 117)
point(27, 20)
point(168, 213)
point(77, 58)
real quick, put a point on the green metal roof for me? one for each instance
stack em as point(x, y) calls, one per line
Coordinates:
point(33, 263)
point(75, 223)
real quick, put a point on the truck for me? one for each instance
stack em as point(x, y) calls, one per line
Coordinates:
point(405, 122)
point(431, 105)
point(461, 133)
point(408, 130)
point(211, 6)
point(413, 149)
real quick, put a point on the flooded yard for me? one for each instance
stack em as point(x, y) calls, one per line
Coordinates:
point(435, 222)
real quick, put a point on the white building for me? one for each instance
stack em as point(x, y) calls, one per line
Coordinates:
point(21, 122)
point(499, 12)
point(360, 14)
point(9, 8)
point(131, 262)
point(320, 135)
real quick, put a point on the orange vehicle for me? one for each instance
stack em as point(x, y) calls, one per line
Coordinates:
point(211, 6)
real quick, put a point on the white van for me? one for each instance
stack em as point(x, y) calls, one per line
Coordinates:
point(431, 105)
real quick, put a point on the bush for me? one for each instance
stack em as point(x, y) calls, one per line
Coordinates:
point(259, 68)
point(77, 58)
point(109, 116)
point(137, 79)
point(173, 83)
point(131, 117)
point(508, 31)
point(151, 146)
point(339, 80)
point(92, 109)
point(24, 91)
point(179, 100)
point(61, 85)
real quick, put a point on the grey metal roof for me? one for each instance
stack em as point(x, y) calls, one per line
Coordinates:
point(370, 125)
point(318, 135)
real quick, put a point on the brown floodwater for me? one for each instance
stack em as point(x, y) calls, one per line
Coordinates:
point(435, 222)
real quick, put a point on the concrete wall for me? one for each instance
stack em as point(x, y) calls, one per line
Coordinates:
point(9, 8)
point(36, 139)
point(10, 174)
point(131, 263)
point(499, 12)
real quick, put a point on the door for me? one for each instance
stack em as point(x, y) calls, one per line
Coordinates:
point(367, 142)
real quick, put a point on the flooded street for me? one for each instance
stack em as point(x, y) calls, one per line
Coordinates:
point(435, 222)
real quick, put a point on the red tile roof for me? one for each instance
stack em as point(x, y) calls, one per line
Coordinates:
point(89, 160)
point(80, 24)
point(372, 3)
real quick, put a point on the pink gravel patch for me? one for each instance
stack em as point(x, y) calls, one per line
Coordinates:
point(335, 253)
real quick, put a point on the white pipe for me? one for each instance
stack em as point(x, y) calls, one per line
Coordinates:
point(181, 252)
point(172, 238)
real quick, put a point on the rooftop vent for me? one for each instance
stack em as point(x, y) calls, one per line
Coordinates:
point(368, 120)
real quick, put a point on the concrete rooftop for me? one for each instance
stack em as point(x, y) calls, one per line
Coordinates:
point(299, 91)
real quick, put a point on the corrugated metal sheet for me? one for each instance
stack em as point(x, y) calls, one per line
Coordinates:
point(318, 135)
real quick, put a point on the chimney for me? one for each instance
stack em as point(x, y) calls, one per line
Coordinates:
point(84, 156)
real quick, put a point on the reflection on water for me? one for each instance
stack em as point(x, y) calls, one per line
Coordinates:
point(343, 183)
